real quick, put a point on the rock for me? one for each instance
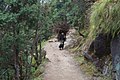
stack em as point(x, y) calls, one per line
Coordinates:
point(101, 45)
point(115, 50)
point(43, 53)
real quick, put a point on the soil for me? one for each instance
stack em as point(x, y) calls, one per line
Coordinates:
point(61, 65)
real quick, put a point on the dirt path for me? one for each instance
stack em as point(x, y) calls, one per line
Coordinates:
point(61, 66)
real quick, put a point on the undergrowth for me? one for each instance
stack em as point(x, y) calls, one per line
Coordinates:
point(87, 67)
point(38, 74)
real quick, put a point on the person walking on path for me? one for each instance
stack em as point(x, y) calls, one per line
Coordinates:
point(62, 39)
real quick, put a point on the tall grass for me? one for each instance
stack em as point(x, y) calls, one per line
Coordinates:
point(105, 17)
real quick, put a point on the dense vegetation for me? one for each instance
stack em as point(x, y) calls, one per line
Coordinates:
point(25, 24)
point(105, 17)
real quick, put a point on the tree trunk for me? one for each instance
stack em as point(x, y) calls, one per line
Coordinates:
point(21, 70)
point(16, 52)
point(40, 57)
point(36, 50)
point(27, 65)
point(16, 64)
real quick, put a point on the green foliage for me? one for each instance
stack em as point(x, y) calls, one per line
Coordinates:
point(10, 1)
point(20, 21)
point(70, 11)
point(105, 17)
point(6, 42)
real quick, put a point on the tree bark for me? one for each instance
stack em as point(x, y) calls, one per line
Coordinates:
point(16, 52)
point(36, 50)
point(40, 57)
point(16, 64)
